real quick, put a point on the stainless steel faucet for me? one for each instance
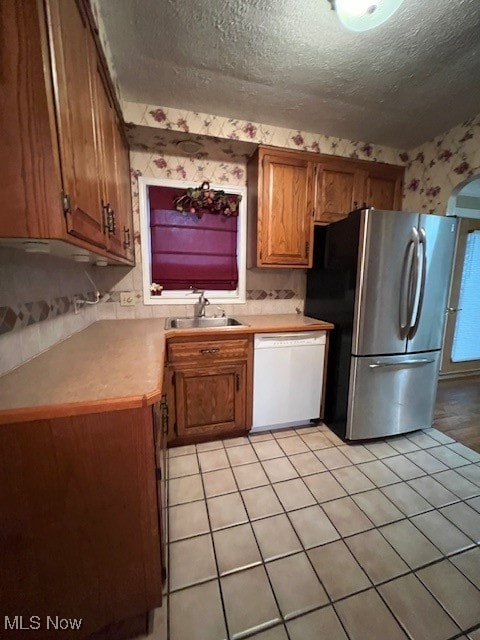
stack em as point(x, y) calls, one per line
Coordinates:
point(201, 304)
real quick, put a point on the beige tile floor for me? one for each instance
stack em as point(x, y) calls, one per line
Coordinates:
point(295, 535)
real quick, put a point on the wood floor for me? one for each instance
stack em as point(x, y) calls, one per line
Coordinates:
point(457, 412)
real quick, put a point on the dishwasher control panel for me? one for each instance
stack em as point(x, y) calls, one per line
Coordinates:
point(276, 340)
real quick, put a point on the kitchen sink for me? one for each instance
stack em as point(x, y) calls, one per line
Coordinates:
point(201, 323)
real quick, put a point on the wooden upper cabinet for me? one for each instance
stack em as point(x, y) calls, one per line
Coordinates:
point(30, 178)
point(284, 209)
point(114, 171)
point(61, 138)
point(289, 191)
point(123, 191)
point(383, 186)
point(344, 184)
point(339, 188)
point(73, 56)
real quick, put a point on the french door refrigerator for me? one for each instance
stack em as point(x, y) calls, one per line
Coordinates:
point(382, 278)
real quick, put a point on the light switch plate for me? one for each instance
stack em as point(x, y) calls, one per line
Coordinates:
point(127, 299)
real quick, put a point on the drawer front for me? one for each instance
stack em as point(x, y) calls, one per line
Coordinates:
point(391, 394)
point(208, 350)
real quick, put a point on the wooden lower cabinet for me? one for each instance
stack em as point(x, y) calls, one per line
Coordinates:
point(211, 400)
point(211, 392)
point(80, 525)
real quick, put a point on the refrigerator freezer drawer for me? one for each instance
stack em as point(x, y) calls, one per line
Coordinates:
point(391, 394)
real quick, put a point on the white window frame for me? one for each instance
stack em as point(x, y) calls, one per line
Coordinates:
point(185, 297)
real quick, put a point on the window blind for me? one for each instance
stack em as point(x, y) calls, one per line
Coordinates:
point(466, 337)
point(188, 251)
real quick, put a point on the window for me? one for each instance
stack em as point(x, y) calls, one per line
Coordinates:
point(466, 340)
point(181, 250)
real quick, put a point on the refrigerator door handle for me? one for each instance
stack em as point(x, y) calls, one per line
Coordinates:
point(422, 245)
point(408, 287)
point(409, 363)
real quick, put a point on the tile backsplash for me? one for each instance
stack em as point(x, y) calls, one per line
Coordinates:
point(268, 291)
point(37, 295)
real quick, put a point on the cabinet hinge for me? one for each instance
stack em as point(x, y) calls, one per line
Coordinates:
point(66, 206)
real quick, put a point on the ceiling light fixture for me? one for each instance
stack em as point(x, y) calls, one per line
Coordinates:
point(362, 15)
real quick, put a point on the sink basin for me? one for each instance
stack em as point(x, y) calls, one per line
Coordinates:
point(201, 323)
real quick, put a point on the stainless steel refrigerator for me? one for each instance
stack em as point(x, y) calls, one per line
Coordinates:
point(382, 278)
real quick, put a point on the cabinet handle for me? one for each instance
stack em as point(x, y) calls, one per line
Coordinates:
point(66, 204)
point(307, 247)
point(108, 219)
point(114, 220)
point(212, 350)
point(355, 205)
point(164, 413)
point(237, 376)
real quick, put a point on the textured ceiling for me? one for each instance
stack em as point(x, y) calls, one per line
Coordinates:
point(290, 63)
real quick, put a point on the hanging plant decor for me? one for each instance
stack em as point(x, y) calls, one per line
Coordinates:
point(200, 199)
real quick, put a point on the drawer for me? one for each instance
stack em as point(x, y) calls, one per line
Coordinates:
point(208, 350)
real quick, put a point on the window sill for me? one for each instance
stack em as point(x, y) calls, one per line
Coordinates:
point(192, 299)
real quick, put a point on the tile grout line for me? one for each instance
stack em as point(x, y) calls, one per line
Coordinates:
point(219, 584)
point(262, 564)
point(304, 550)
point(411, 572)
point(210, 534)
point(342, 538)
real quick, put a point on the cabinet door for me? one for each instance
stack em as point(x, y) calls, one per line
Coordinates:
point(115, 172)
point(160, 419)
point(383, 187)
point(105, 122)
point(73, 61)
point(79, 528)
point(211, 400)
point(30, 181)
point(339, 188)
point(124, 194)
point(285, 215)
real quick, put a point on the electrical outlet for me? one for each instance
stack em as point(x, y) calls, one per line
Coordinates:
point(127, 299)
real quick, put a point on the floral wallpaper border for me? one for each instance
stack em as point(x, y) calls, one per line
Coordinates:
point(193, 122)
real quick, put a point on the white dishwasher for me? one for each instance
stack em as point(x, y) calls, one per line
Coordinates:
point(287, 378)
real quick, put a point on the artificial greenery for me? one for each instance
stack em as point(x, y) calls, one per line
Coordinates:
point(200, 199)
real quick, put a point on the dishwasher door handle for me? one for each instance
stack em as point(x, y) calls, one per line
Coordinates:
point(286, 336)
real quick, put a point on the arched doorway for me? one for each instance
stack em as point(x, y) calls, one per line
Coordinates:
point(461, 348)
